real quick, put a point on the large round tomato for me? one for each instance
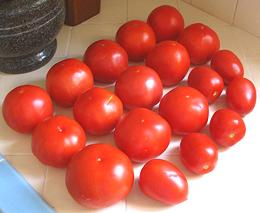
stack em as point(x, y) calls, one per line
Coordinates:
point(26, 106)
point(67, 80)
point(99, 176)
point(170, 60)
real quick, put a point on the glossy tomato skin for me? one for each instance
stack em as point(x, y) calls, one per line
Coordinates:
point(106, 59)
point(139, 86)
point(162, 181)
point(56, 140)
point(167, 22)
point(26, 106)
point(207, 81)
point(98, 111)
point(67, 80)
point(186, 110)
point(170, 60)
point(142, 134)
point(198, 153)
point(201, 42)
point(99, 176)
point(227, 127)
point(137, 38)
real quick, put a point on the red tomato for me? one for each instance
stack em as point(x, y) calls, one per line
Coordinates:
point(227, 64)
point(198, 153)
point(99, 176)
point(227, 127)
point(170, 60)
point(142, 134)
point(162, 181)
point(241, 95)
point(139, 86)
point(207, 81)
point(186, 110)
point(67, 80)
point(98, 111)
point(201, 42)
point(137, 38)
point(167, 22)
point(56, 140)
point(26, 106)
point(106, 59)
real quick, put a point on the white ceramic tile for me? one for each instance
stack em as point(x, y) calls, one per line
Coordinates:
point(63, 40)
point(254, 68)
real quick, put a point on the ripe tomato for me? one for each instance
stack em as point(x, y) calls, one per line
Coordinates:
point(106, 59)
point(67, 80)
point(170, 60)
point(207, 81)
point(162, 181)
point(198, 153)
point(142, 134)
point(99, 176)
point(56, 140)
point(201, 42)
point(186, 110)
point(98, 111)
point(137, 38)
point(167, 22)
point(139, 86)
point(227, 64)
point(26, 106)
point(227, 127)
point(241, 95)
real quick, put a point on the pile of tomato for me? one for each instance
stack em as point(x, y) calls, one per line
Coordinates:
point(99, 175)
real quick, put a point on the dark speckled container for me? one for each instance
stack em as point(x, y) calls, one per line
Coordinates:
point(28, 30)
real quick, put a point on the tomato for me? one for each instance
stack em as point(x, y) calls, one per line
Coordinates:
point(201, 42)
point(106, 59)
point(56, 140)
point(167, 22)
point(98, 111)
point(170, 60)
point(139, 86)
point(26, 106)
point(198, 153)
point(186, 110)
point(142, 134)
point(137, 38)
point(99, 176)
point(241, 95)
point(227, 64)
point(227, 127)
point(207, 81)
point(67, 80)
point(162, 181)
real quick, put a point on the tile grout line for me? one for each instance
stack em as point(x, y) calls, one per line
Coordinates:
point(45, 179)
point(68, 43)
point(233, 19)
point(127, 15)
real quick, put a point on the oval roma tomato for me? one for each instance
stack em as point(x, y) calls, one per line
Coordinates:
point(162, 181)
point(139, 86)
point(186, 110)
point(137, 38)
point(56, 140)
point(26, 106)
point(198, 153)
point(99, 176)
point(98, 111)
point(207, 81)
point(167, 22)
point(201, 42)
point(142, 134)
point(241, 95)
point(227, 64)
point(106, 59)
point(67, 80)
point(170, 60)
point(227, 127)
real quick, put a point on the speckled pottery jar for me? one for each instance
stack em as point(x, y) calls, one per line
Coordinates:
point(28, 30)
